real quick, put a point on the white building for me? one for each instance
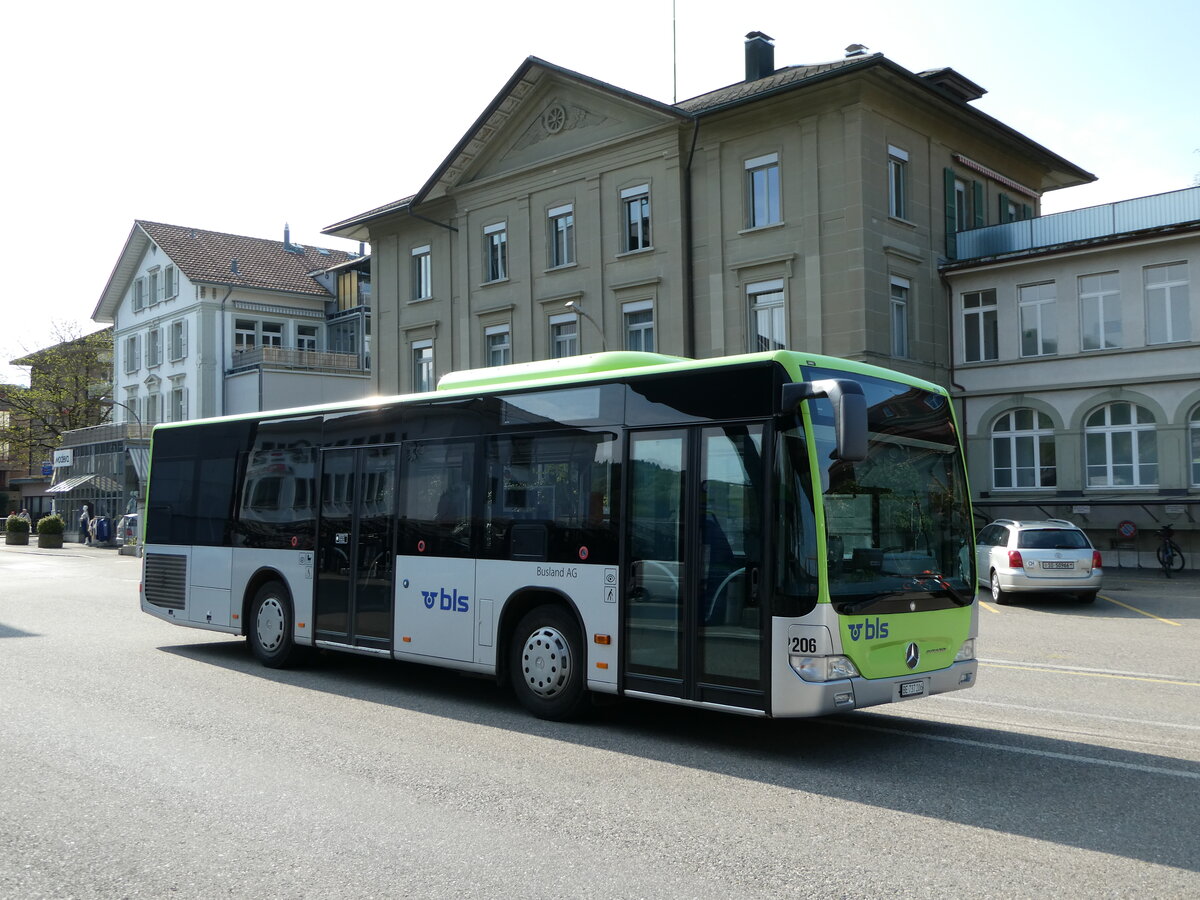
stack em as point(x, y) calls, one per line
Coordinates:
point(1076, 357)
point(207, 324)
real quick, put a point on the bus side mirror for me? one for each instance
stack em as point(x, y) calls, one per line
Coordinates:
point(849, 412)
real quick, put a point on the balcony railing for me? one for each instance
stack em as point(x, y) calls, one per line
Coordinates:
point(283, 358)
point(110, 431)
point(1138, 214)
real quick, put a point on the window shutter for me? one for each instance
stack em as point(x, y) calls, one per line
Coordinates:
point(1026, 211)
point(1002, 207)
point(183, 340)
point(980, 211)
point(951, 217)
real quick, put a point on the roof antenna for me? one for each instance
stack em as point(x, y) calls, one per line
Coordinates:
point(674, 59)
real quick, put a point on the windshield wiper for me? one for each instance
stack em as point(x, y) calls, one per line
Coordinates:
point(917, 583)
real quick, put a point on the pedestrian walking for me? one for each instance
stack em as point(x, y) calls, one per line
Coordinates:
point(85, 523)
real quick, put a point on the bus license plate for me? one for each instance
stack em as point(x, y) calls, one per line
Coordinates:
point(1065, 564)
point(912, 688)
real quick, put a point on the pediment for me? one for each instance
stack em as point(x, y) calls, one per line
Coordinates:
point(546, 116)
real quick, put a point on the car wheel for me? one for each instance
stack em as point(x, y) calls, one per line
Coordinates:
point(999, 595)
point(270, 627)
point(1087, 597)
point(546, 664)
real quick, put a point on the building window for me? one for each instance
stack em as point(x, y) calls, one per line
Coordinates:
point(763, 205)
point(1167, 316)
point(1194, 444)
point(139, 295)
point(1100, 311)
point(635, 206)
point(154, 347)
point(497, 341)
point(564, 335)
point(495, 245)
point(422, 273)
point(899, 310)
point(153, 408)
point(1023, 451)
point(422, 360)
point(272, 334)
point(1121, 446)
point(178, 400)
point(245, 335)
point(306, 337)
point(154, 287)
point(177, 340)
point(962, 209)
point(768, 320)
point(981, 339)
point(639, 325)
point(132, 411)
point(133, 354)
point(170, 282)
point(897, 182)
point(1039, 331)
point(562, 235)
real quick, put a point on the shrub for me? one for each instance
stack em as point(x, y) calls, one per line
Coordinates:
point(52, 524)
point(16, 524)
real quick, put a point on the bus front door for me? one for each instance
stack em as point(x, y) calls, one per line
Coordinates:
point(693, 616)
point(356, 547)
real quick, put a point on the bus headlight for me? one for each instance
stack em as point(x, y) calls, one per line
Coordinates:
point(823, 668)
point(966, 651)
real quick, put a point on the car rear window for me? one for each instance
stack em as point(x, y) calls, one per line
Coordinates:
point(1052, 539)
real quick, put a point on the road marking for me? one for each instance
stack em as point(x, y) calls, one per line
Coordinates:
point(1027, 751)
point(1098, 675)
point(1139, 611)
point(1022, 662)
point(989, 607)
point(1069, 712)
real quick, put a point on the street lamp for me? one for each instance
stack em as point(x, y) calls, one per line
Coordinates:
point(574, 306)
point(109, 401)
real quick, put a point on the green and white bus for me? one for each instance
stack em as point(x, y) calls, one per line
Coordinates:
point(775, 534)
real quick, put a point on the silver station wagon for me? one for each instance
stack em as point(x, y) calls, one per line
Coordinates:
point(1049, 555)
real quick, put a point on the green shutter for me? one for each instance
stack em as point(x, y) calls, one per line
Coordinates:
point(1026, 211)
point(1002, 208)
point(951, 217)
point(980, 212)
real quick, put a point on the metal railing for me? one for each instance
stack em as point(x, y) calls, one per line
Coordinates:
point(296, 359)
point(1138, 214)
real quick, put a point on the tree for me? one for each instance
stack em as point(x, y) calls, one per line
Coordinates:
point(68, 382)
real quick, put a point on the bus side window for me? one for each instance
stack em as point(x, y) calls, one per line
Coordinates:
point(435, 498)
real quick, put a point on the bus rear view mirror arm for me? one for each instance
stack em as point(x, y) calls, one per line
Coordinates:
point(849, 412)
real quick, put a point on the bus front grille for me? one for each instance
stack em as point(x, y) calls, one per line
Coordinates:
point(166, 580)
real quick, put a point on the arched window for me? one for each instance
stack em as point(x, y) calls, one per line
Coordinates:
point(1122, 446)
point(1023, 450)
point(1194, 444)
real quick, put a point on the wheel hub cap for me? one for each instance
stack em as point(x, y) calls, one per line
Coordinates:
point(546, 662)
point(270, 624)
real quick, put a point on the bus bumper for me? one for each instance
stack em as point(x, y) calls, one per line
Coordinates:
point(793, 696)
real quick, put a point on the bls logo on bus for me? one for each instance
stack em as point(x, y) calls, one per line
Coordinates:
point(868, 630)
point(450, 601)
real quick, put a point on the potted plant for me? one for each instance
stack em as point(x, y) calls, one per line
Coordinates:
point(16, 530)
point(50, 531)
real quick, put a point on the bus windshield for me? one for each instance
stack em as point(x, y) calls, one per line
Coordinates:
point(897, 524)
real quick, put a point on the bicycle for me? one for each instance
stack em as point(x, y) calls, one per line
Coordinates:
point(1169, 555)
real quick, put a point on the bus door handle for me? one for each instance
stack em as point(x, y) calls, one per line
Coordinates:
point(753, 573)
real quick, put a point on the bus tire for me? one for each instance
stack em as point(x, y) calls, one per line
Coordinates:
point(546, 664)
point(270, 626)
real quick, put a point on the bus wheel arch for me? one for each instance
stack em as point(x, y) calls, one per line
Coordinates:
point(543, 656)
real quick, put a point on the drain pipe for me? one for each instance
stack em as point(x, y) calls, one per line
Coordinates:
point(689, 281)
point(221, 359)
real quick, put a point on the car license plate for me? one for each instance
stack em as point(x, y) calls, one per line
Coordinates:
point(1066, 564)
point(912, 688)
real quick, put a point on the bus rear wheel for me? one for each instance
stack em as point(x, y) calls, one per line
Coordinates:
point(270, 627)
point(546, 664)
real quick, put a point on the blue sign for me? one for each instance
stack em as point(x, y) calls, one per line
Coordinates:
point(47, 469)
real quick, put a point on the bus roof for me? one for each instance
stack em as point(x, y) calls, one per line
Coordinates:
point(584, 368)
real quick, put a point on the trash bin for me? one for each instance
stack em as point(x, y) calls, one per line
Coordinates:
point(103, 530)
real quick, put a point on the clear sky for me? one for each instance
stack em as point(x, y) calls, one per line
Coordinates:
point(241, 116)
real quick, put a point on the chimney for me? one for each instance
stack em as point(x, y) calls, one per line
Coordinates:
point(760, 55)
point(287, 236)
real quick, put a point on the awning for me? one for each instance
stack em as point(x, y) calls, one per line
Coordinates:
point(69, 484)
point(101, 483)
point(140, 456)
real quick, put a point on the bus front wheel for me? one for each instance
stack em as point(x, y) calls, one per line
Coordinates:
point(270, 626)
point(546, 664)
